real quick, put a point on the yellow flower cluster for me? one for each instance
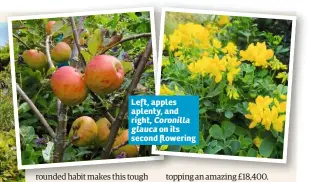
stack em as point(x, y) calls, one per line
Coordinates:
point(257, 54)
point(207, 65)
point(189, 35)
point(283, 76)
point(232, 92)
point(276, 64)
point(232, 65)
point(230, 49)
point(223, 20)
point(165, 90)
point(267, 112)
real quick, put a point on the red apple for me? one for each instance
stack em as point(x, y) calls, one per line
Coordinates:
point(49, 26)
point(83, 131)
point(35, 59)
point(61, 52)
point(104, 74)
point(68, 85)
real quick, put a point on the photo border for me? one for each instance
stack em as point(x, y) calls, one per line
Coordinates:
point(13, 77)
point(287, 122)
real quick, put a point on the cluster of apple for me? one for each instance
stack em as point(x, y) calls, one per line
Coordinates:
point(85, 131)
point(103, 75)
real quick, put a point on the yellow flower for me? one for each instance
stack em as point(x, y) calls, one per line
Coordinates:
point(278, 123)
point(165, 61)
point(232, 65)
point(189, 35)
point(257, 54)
point(232, 92)
point(216, 43)
point(223, 20)
point(276, 64)
point(178, 53)
point(260, 113)
point(257, 141)
point(164, 90)
point(212, 28)
point(283, 97)
point(230, 49)
point(283, 76)
point(206, 65)
point(165, 41)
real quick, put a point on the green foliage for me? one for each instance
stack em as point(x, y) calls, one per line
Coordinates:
point(6, 106)
point(8, 159)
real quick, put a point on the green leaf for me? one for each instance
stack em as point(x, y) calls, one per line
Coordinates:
point(202, 110)
point(252, 153)
point(187, 147)
point(67, 31)
point(87, 56)
point(241, 131)
point(213, 143)
point(127, 66)
point(27, 162)
point(245, 141)
point(235, 146)
point(262, 73)
point(228, 129)
point(242, 153)
point(29, 121)
point(51, 71)
point(48, 152)
point(57, 26)
point(163, 147)
point(28, 133)
point(217, 90)
point(24, 107)
point(267, 147)
point(174, 148)
point(69, 154)
point(215, 149)
point(228, 114)
point(95, 42)
point(216, 132)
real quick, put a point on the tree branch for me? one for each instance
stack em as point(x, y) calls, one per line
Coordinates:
point(21, 41)
point(61, 132)
point(97, 99)
point(119, 146)
point(49, 60)
point(62, 115)
point(143, 35)
point(36, 111)
point(76, 34)
point(124, 106)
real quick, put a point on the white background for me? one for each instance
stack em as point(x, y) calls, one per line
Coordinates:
point(298, 143)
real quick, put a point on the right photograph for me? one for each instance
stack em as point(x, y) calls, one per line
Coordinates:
point(240, 65)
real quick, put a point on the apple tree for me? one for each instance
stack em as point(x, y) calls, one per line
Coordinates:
point(74, 76)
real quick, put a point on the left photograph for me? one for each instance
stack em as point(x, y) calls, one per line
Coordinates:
point(72, 75)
